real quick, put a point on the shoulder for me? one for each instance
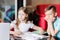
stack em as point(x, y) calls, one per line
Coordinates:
point(58, 19)
point(13, 22)
point(30, 22)
point(57, 22)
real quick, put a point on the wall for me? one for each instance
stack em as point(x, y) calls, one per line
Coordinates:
point(7, 2)
point(37, 2)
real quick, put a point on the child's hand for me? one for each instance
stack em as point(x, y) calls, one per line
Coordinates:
point(49, 19)
point(17, 33)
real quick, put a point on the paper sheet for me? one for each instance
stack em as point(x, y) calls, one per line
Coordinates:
point(32, 36)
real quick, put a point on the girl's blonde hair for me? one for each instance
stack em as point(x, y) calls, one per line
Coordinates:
point(26, 11)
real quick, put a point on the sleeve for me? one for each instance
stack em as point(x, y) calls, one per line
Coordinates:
point(57, 26)
point(31, 24)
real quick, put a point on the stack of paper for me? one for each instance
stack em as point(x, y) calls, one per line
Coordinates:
point(32, 36)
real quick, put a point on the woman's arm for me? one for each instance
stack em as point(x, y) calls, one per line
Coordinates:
point(38, 29)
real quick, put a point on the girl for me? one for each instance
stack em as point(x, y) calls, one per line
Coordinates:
point(22, 24)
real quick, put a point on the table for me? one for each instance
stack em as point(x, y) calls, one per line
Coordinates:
point(19, 38)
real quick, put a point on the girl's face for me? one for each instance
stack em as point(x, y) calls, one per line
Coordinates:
point(22, 15)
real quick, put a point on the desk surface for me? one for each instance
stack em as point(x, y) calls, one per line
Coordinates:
point(48, 38)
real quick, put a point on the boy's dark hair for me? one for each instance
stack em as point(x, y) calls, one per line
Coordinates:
point(51, 7)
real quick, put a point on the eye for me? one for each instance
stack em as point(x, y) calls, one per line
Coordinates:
point(51, 14)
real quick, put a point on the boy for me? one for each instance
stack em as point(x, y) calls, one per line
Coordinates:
point(53, 21)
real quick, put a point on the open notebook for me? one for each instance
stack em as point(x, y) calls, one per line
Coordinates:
point(4, 31)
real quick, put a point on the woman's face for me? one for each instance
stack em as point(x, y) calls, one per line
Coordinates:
point(21, 15)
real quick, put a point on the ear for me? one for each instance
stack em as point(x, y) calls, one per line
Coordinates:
point(26, 15)
point(56, 14)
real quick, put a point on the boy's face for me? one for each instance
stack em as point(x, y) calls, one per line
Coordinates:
point(50, 15)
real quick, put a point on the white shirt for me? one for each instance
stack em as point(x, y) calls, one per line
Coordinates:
point(23, 27)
